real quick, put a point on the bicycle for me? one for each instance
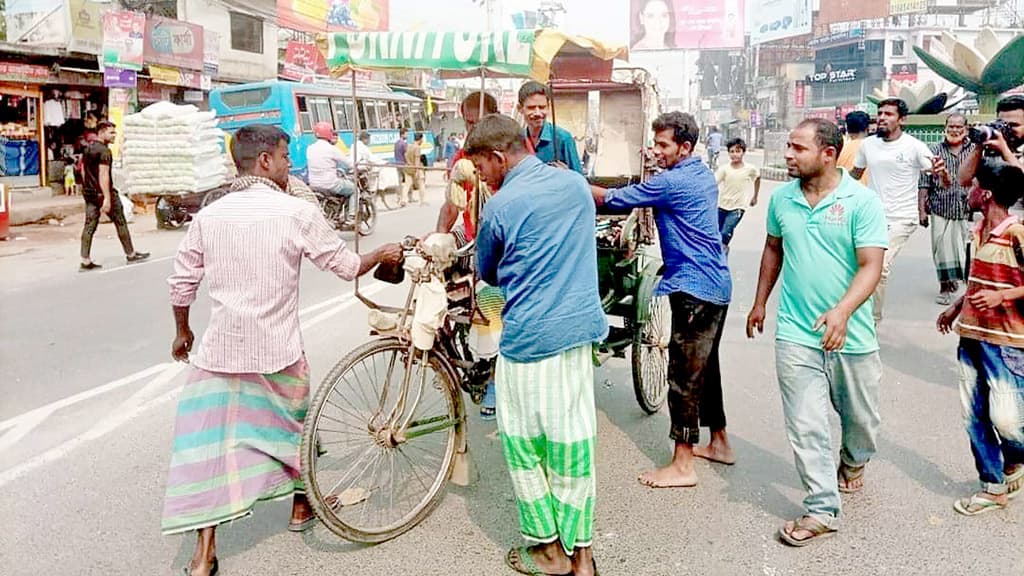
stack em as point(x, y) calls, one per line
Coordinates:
point(385, 430)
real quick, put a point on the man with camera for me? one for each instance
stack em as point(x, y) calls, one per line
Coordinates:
point(1003, 137)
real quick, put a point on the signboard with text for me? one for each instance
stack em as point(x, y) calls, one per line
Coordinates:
point(87, 26)
point(27, 73)
point(124, 39)
point(302, 60)
point(800, 95)
point(333, 16)
point(174, 43)
point(830, 76)
point(771, 20)
point(897, 7)
point(117, 78)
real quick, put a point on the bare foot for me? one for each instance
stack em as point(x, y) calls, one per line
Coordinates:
point(583, 562)
point(671, 476)
point(715, 453)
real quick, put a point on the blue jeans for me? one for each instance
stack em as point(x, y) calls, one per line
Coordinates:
point(992, 397)
point(728, 220)
point(811, 382)
point(346, 189)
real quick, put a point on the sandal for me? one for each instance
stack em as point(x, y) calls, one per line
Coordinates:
point(848, 475)
point(519, 559)
point(976, 505)
point(1015, 482)
point(807, 523)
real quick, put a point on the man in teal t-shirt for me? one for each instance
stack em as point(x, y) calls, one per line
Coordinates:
point(827, 235)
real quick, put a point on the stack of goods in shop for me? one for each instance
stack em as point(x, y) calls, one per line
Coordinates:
point(172, 149)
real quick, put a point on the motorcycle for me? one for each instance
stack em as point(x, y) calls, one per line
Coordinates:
point(336, 208)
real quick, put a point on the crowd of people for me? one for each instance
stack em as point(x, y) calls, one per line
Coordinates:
point(831, 242)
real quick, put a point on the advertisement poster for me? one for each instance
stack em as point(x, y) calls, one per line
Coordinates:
point(902, 75)
point(36, 22)
point(118, 102)
point(722, 73)
point(87, 25)
point(800, 95)
point(211, 52)
point(333, 15)
point(302, 60)
point(124, 39)
point(117, 78)
point(686, 24)
point(174, 43)
point(770, 20)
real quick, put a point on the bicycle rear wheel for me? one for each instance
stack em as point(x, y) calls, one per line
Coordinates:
point(362, 484)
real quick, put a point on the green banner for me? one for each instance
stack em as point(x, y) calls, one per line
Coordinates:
point(508, 52)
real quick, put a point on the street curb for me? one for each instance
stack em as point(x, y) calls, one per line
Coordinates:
point(38, 212)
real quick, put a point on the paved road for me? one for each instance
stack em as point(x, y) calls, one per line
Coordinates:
point(87, 414)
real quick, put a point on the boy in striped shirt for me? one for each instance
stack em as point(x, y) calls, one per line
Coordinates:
point(991, 351)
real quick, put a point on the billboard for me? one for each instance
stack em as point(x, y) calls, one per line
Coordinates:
point(770, 20)
point(174, 43)
point(686, 24)
point(333, 15)
point(36, 22)
point(722, 73)
point(897, 7)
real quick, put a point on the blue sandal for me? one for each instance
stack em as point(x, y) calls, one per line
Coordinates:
point(487, 406)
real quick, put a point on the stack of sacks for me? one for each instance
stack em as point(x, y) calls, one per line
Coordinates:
point(171, 149)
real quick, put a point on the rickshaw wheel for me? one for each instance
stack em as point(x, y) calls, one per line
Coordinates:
point(363, 484)
point(650, 355)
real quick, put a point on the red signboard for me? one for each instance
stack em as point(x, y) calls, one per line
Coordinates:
point(302, 60)
point(800, 95)
point(174, 43)
point(12, 71)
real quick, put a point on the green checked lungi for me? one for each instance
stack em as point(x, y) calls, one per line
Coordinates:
point(548, 427)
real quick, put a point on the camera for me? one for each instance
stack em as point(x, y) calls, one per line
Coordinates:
point(984, 132)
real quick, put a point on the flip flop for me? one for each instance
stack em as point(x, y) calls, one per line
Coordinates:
point(848, 474)
point(523, 563)
point(818, 532)
point(302, 526)
point(976, 505)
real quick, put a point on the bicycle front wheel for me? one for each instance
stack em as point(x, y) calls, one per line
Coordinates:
point(368, 478)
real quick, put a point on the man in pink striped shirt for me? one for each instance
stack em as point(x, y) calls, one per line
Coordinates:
point(240, 416)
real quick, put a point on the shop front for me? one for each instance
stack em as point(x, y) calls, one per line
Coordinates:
point(22, 136)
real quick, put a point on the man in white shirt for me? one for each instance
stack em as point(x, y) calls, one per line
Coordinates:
point(895, 161)
point(323, 159)
point(362, 152)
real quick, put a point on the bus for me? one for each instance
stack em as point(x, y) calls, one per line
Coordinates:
point(295, 107)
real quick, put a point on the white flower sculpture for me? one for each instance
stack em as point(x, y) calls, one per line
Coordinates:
point(922, 97)
point(988, 68)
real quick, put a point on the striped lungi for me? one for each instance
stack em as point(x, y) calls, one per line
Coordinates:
point(949, 247)
point(548, 427)
point(236, 442)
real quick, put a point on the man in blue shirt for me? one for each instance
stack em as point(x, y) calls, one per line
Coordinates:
point(550, 143)
point(714, 146)
point(696, 279)
point(401, 145)
point(536, 242)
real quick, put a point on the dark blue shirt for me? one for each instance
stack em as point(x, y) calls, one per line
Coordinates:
point(536, 242)
point(566, 147)
point(685, 202)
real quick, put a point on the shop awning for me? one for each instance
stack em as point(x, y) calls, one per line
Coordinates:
point(511, 53)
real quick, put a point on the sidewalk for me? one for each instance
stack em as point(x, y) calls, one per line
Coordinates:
point(31, 208)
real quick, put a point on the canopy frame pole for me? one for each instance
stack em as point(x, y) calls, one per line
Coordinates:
point(554, 123)
point(355, 164)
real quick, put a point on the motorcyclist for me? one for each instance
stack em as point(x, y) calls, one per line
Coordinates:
point(324, 160)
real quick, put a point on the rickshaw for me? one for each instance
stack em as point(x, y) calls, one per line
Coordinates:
point(385, 431)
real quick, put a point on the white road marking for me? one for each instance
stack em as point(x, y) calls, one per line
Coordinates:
point(82, 396)
point(137, 403)
point(130, 266)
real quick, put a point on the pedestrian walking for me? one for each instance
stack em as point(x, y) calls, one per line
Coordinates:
point(856, 132)
point(827, 237)
point(240, 415)
point(401, 145)
point(413, 171)
point(895, 161)
point(101, 197)
point(991, 329)
point(947, 208)
point(739, 185)
point(536, 242)
point(697, 282)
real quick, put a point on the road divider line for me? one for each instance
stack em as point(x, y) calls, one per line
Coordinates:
point(22, 428)
point(85, 395)
point(132, 405)
point(130, 266)
point(368, 291)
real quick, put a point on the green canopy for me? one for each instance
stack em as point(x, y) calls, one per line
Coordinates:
point(507, 53)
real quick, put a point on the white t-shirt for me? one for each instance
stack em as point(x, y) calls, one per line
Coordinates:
point(894, 171)
point(323, 161)
point(736, 186)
